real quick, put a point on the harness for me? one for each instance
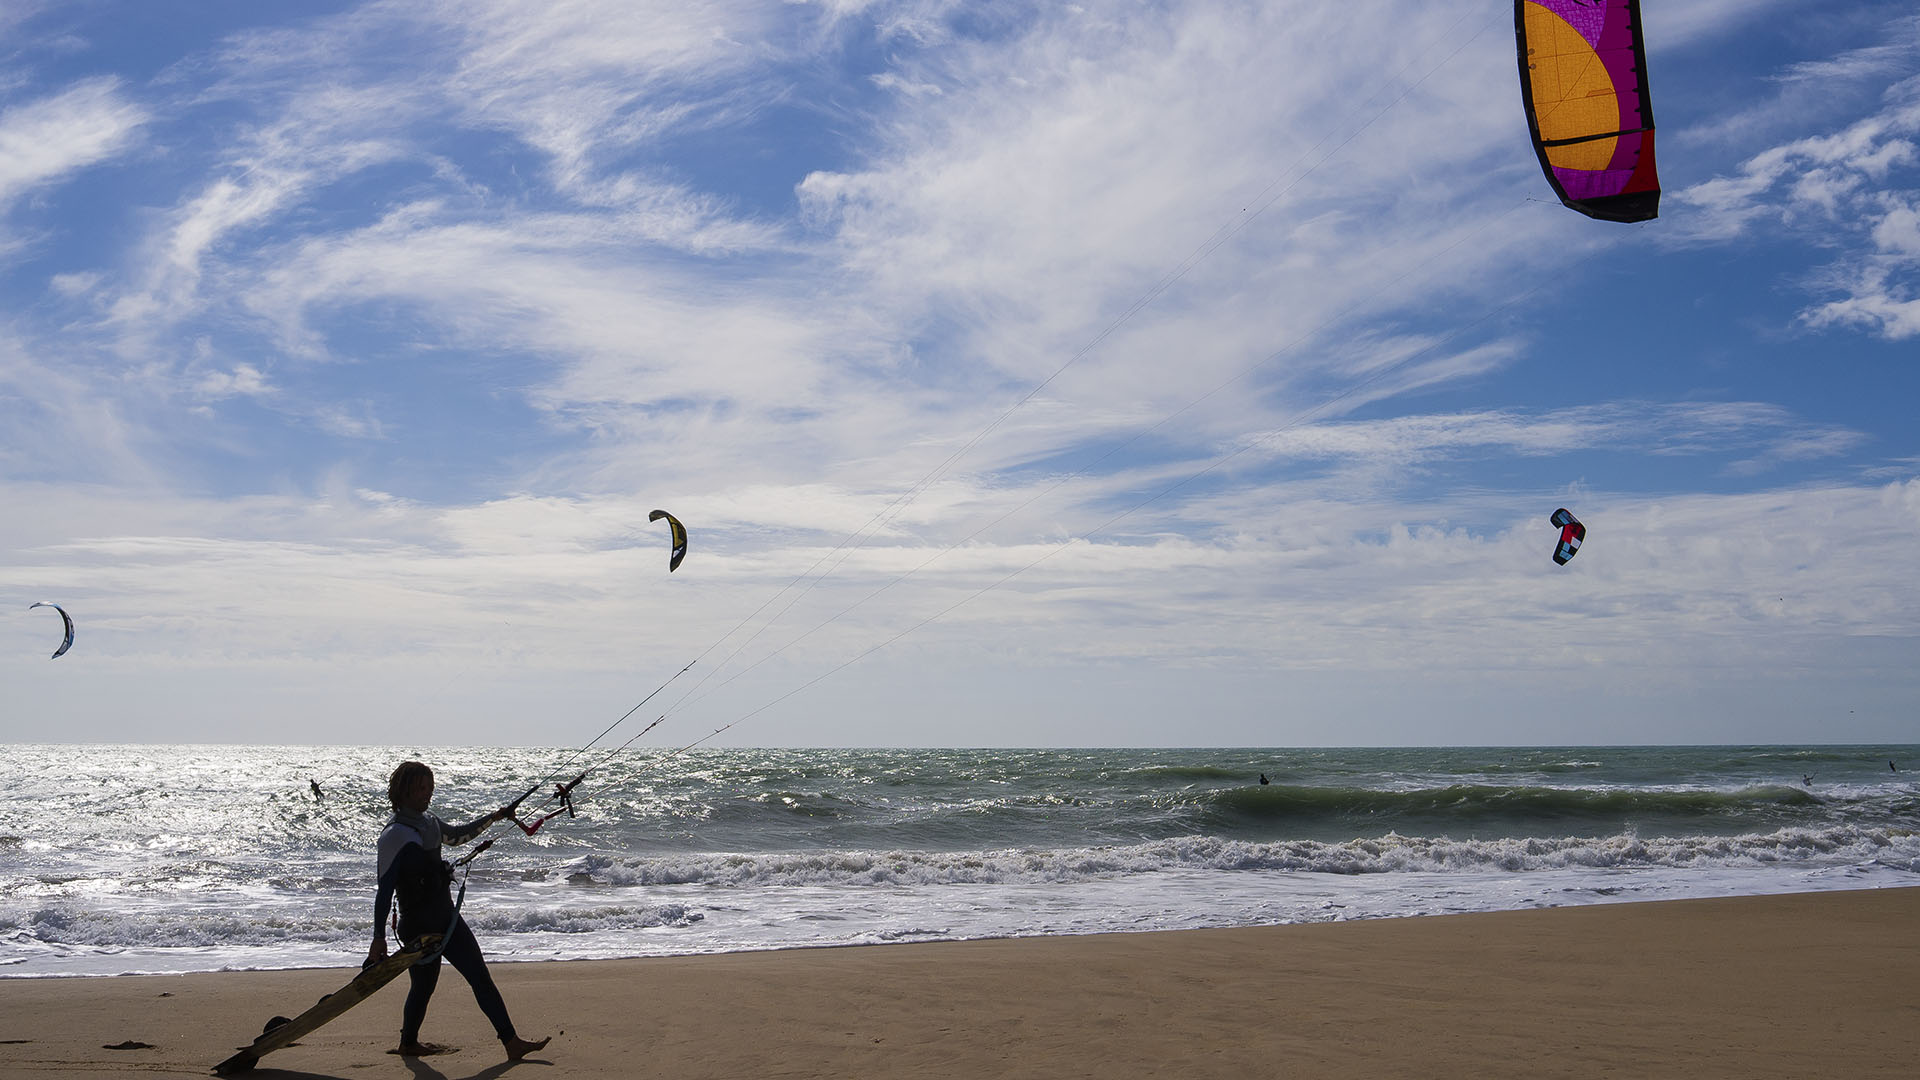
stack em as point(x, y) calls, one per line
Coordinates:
point(433, 954)
point(561, 792)
point(462, 864)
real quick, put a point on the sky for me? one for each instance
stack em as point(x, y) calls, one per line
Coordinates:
point(1026, 374)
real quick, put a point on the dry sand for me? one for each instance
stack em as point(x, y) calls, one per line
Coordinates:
point(1812, 985)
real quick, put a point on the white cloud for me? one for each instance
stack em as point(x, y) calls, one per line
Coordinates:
point(533, 588)
point(1046, 203)
point(347, 420)
point(59, 420)
point(640, 328)
point(1667, 430)
point(44, 140)
point(244, 380)
point(1800, 446)
point(1208, 227)
point(1808, 94)
point(19, 13)
point(327, 135)
point(1898, 232)
point(1884, 61)
point(1674, 27)
point(658, 317)
point(1877, 302)
point(887, 80)
point(75, 284)
point(580, 81)
point(1853, 187)
point(583, 80)
point(1819, 171)
point(999, 200)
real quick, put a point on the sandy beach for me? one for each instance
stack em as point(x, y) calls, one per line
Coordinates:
point(1808, 985)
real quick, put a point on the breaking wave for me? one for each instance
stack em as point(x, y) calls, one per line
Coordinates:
point(1387, 854)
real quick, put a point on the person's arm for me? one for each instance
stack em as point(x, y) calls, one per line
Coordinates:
point(382, 904)
point(460, 834)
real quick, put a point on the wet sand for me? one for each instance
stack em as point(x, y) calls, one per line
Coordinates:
point(1809, 985)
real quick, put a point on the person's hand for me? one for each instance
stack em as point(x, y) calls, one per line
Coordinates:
point(376, 953)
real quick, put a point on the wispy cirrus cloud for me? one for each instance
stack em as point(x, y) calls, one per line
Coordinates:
point(273, 171)
point(1814, 93)
point(1666, 429)
point(663, 313)
point(1690, 25)
point(44, 140)
point(1806, 181)
point(587, 82)
point(582, 85)
point(1861, 181)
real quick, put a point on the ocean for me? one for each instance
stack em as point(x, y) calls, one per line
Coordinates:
point(160, 859)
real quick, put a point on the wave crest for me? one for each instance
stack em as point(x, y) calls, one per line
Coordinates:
point(1387, 854)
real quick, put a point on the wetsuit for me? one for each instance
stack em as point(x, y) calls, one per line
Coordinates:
point(411, 867)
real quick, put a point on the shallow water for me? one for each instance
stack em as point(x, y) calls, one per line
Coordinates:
point(195, 858)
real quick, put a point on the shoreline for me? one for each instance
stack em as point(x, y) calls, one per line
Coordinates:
point(1787, 985)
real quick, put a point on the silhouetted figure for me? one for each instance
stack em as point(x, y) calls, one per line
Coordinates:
point(1807, 779)
point(1263, 778)
point(315, 785)
point(411, 871)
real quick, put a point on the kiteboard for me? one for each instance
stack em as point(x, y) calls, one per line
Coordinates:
point(360, 989)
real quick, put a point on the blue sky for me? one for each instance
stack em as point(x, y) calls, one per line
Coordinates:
point(1187, 373)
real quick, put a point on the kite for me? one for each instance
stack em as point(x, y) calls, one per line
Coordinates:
point(1571, 533)
point(67, 642)
point(679, 538)
point(1583, 79)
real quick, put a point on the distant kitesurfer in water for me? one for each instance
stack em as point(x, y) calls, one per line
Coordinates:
point(1807, 779)
point(410, 866)
point(1263, 778)
point(315, 785)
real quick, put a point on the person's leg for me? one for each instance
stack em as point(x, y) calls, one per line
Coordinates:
point(463, 952)
point(424, 977)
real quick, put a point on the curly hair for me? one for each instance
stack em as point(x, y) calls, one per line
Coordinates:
point(403, 777)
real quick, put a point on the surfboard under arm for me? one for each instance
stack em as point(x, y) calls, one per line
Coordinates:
point(360, 989)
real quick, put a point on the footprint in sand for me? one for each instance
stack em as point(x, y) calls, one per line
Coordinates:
point(425, 1050)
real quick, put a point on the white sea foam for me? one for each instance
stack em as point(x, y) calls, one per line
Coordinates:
point(1383, 855)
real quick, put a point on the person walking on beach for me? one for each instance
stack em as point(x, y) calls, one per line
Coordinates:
point(410, 867)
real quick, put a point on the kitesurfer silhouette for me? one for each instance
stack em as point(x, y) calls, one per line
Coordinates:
point(1263, 778)
point(315, 785)
point(410, 866)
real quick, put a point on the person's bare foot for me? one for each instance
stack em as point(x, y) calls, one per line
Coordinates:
point(518, 1048)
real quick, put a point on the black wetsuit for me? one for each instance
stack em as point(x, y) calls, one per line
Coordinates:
point(423, 884)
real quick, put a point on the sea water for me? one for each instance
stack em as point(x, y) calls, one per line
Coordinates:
point(121, 859)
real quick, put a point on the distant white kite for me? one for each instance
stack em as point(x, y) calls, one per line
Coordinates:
point(66, 642)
